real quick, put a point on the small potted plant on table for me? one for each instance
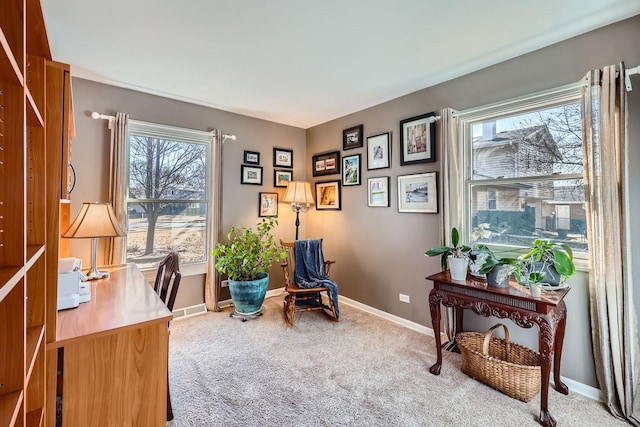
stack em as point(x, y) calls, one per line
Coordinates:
point(456, 257)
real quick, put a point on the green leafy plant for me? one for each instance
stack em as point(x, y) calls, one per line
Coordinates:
point(456, 250)
point(545, 252)
point(249, 253)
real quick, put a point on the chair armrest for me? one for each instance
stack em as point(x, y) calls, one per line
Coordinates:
point(327, 266)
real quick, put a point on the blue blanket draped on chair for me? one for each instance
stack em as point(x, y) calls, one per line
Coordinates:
point(310, 269)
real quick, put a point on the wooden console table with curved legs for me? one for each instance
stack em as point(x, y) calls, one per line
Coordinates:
point(548, 311)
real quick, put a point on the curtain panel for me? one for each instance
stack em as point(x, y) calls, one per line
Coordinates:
point(212, 279)
point(115, 250)
point(613, 315)
point(452, 204)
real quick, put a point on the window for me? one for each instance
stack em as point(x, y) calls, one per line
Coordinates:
point(167, 200)
point(523, 170)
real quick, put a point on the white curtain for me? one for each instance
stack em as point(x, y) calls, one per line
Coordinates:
point(613, 315)
point(452, 203)
point(114, 253)
point(212, 280)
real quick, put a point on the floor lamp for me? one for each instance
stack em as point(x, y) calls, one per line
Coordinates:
point(299, 195)
point(94, 220)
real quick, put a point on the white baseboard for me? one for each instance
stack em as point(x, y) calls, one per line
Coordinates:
point(193, 310)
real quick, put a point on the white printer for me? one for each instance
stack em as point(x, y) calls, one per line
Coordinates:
point(71, 289)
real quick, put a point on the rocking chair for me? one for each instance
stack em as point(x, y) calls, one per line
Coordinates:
point(304, 299)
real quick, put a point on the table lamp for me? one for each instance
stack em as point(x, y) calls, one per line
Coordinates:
point(299, 195)
point(94, 220)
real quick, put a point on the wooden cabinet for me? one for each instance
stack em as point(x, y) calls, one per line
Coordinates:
point(29, 215)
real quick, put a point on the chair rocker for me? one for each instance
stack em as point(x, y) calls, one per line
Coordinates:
point(299, 299)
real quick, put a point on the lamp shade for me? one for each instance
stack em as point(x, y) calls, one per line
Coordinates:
point(298, 192)
point(94, 220)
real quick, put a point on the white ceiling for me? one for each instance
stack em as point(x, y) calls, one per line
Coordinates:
point(305, 62)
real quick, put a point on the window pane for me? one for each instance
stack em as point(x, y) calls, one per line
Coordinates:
point(533, 144)
point(155, 229)
point(553, 209)
point(164, 169)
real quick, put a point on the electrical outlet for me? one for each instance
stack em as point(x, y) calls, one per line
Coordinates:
point(405, 298)
point(224, 284)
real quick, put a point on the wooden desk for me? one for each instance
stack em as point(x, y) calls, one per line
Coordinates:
point(548, 311)
point(115, 354)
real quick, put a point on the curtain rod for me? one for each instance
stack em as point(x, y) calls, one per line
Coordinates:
point(97, 116)
point(630, 72)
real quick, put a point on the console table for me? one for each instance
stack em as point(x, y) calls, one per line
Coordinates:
point(548, 311)
point(115, 352)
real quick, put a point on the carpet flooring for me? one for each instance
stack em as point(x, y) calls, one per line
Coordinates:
point(361, 371)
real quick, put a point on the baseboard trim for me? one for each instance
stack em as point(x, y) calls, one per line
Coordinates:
point(192, 310)
point(395, 319)
point(583, 389)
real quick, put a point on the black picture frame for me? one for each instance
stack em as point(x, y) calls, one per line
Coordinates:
point(282, 158)
point(281, 178)
point(267, 204)
point(379, 151)
point(352, 138)
point(328, 196)
point(251, 157)
point(378, 192)
point(418, 139)
point(351, 170)
point(325, 163)
point(251, 175)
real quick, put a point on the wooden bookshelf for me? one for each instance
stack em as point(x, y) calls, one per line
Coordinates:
point(30, 181)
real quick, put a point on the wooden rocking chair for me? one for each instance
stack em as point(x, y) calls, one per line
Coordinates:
point(304, 299)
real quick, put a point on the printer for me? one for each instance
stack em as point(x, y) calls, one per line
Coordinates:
point(71, 289)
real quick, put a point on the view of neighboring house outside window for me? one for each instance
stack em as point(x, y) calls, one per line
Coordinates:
point(524, 171)
point(167, 202)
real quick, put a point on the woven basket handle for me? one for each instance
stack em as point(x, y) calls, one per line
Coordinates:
point(487, 337)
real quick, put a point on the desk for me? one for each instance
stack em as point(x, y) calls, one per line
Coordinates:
point(548, 311)
point(115, 354)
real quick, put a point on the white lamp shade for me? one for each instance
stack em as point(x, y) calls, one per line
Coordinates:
point(298, 192)
point(94, 220)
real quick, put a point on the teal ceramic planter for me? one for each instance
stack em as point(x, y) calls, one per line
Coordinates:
point(248, 296)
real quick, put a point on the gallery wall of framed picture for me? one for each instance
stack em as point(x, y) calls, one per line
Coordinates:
point(379, 151)
point(267, 204)
point(351, 170)
point(326, 163)
point(378, 192)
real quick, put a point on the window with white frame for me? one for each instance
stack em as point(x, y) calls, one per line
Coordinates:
point(523, 170)
point(167, 203)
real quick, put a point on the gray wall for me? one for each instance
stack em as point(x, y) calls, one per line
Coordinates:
point(381, 251)
point(90, 155)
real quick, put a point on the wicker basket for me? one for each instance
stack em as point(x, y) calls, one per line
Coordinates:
point(508, 367)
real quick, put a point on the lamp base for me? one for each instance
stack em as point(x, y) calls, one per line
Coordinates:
point(94, 274)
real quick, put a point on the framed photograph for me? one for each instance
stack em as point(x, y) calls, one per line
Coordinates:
point(251, 157)
point(268, 204)
point(352, 138)
point(281, 178)
point(418, 140)
point(379, 151)
point(326, 164)
point(378, 192)
point(251, 175)
point(418, 193)
point(351, 170)
point(328, 195)
point(282, 158)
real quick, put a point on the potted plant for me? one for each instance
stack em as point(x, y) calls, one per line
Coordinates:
point(546, 261)
point(455, 256)
point(498, 270)
point(246, 260)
